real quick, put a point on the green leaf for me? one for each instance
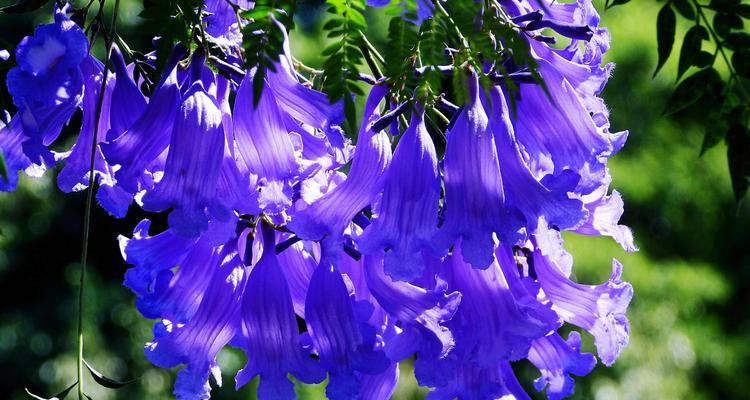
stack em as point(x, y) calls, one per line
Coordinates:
point(743, 10)
point(258, 85)
point(703, 59)
point(340, 71)
point(432, 39)
point(737, 40)
point(691, 46)
point(738, 157)
point(692, 89)
point(59, 396)
point(665, 28)
point(741, 62)
point(23, 6)
point(263, 38)
point(613, 3)
point(724, 23)
point(723, 5)
point(720, 119)
point(716, 129)
point(105, 381)
point(684, 8)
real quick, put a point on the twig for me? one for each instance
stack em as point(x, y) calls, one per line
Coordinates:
point(90, 196)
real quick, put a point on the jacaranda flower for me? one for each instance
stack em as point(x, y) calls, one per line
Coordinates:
point(324, 260)
point(47, 86)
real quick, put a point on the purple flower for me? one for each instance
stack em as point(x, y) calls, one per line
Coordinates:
point(196, 342)
point(127, 103)
point(47, 84)
point(407, 213)
point(599, 309)
point(330, 214)
point(557, 359)
point(74, 176)
point(340, 334)
point(475, 204)
point(275, 216)
point(425, 311)
point(269, 330)
point(265, 146)
point(193, 164)
point(499, 316)
point(467, 380)
point(303, 104)
point(298, 265)
point(151, 255)
point(522, 190)
point(604, 216)
point(137, 149)
point(11, 145)
point(425, 9)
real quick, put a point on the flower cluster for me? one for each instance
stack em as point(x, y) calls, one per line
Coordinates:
point(315, 272)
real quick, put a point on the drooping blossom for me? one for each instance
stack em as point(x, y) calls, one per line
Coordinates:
point(326, 260)
point(406, 218)
point(47, 87)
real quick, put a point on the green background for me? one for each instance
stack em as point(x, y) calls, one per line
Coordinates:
point(689, 318)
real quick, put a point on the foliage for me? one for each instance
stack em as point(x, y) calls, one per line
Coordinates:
point(341, 70)
point(725, 101)
point(263, 37)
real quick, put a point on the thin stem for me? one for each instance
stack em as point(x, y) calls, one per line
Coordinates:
point(371, 62)
point(90, 198)
point(451, 22)
point(372, 48)
point(371, 54)
point(302, 67)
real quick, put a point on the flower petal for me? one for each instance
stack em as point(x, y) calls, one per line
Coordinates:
point(497, 319)
point(407, 214)
point(410, 304)
point(474, 193)
point(193, 165)
point(339, 335)
point(270, 331)
point(600, 309)
point(142, 143)
point(197, 342)
point(522, 190)
point(557, 359)
point(330, 214)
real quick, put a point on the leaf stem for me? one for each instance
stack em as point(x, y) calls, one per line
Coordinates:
point(372, 48)
point(371, 62)
point(371, 54)
point(90, 198)
point(451, 22)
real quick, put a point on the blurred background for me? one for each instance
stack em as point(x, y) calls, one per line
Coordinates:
point(690, 325)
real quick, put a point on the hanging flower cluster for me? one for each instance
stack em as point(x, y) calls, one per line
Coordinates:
point(321, 259)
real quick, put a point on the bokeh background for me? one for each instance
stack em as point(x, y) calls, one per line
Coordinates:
point(690, 325)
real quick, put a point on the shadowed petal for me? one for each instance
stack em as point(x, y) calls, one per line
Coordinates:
point(270, 331)
point(197, 342)
point(340, 334)
point(522, 190)
point(498, 318)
